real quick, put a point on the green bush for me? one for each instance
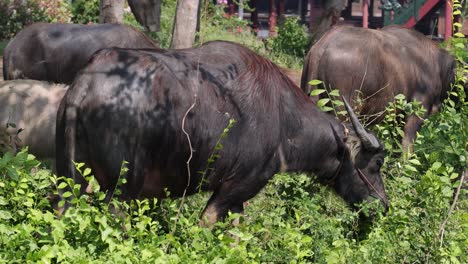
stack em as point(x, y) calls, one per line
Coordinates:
point(292, 38)
point(55, 11)
point(16, 14)
point(85, 11)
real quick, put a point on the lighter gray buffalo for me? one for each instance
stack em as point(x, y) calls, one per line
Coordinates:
point(28, 114)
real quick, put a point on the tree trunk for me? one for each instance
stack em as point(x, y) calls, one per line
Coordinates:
point(185, 24)
point(147, 13)
point(111, 11)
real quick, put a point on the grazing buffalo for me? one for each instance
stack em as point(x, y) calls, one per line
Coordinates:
point(28, 116)
point(159, 109)
point(370, 67)
point(56, 52)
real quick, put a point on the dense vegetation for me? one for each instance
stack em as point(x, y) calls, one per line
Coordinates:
point(294, 219)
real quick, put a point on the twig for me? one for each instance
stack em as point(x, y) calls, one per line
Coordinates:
point(189, 175)
point(378, 91)
point(365, 73)
point(188, 161)
point(455, 199)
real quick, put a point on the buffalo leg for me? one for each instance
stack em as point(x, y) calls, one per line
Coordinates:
point(414, 123)
point(230, 197)
point(237, 209)
point(412, 126)
point(135, 179)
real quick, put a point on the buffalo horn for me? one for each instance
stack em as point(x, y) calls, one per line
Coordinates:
point(368, 140)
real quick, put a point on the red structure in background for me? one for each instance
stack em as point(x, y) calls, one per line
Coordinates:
point(448, 18)
point(365, 13)
point(272, 17)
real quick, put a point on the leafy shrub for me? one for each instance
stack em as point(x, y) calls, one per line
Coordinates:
point(292, 38)
point(16, 14)
point(85, 11)
point(300, 221)
point(215, 21)
point(218, 17)
point(55, 11)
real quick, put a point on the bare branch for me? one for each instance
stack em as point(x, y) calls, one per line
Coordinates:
point(455, 199)
point(188, 160)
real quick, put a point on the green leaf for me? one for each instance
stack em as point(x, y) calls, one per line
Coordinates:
point(316, 92)
point(335, 93)
point(66, 194)
point(323, 102)
point(12, 173)
point(315, 82)
point(6, 158)
point(400, 97)
point(415, 162)
point(405, 180)
point(3, 201)
point(436, 165)
point(5, 215)
point(410, 168)
point(453, 176)
point(338, 102)
point(86, 172)
point(327, 108)
point(62, 185)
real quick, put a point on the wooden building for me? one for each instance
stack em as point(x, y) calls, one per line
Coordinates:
point(432, 17)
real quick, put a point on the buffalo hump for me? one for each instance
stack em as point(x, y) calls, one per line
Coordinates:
point(56, 52)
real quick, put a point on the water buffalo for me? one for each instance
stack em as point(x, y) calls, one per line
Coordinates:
point(28, 116)
point(56, 52)
point(372, 66)
point(147, 13)
point(158, 109)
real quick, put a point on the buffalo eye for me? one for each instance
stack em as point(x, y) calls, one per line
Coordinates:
point(379, 162)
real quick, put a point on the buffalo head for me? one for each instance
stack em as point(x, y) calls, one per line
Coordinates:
point(361, 156)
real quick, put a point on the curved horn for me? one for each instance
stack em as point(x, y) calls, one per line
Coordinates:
point(368, 140)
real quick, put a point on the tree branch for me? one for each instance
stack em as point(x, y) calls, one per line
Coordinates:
point(455, 199)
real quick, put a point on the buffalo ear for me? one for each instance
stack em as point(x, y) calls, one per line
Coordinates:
point(340, 142)
point(369, 141)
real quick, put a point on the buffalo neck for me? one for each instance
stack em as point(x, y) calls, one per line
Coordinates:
point(310, 145)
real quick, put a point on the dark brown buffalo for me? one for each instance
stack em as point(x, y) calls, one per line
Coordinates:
point(158, 109)
point(56, 52)
point(147, 13)
point(376, 65)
